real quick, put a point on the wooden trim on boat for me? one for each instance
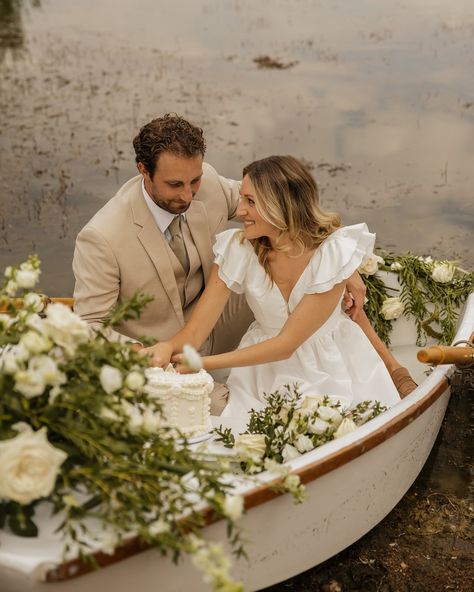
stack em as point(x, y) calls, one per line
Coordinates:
point(18, 302)
point(77, 567)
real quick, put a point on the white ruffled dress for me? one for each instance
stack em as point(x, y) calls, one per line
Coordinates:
point(337, 360)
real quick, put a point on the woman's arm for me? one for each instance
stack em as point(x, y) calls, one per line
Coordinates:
point(201, 322)
point(310, 314)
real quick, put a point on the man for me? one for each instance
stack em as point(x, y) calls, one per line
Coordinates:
point(155, 236)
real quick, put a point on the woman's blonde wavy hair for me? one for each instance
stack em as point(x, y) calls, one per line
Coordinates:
point(287, 197)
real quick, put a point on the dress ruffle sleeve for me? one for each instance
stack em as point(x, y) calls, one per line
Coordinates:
point(339, 256)
point(232, 258)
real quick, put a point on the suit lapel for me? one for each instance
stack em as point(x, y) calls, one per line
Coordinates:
point(196, 218)
point(155, 245)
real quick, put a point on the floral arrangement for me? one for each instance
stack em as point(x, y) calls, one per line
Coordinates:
point(288, 427)
point(430, 293)
point(80, 432)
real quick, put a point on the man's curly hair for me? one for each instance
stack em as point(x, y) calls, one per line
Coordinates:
point(170, 133)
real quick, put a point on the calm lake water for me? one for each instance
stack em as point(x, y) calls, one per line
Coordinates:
point(377, 96)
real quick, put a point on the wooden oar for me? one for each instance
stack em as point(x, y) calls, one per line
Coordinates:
point(443, 354)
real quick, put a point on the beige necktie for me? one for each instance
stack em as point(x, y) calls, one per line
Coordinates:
point(177, 242)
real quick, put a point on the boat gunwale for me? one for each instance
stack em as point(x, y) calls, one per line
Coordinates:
point(261, 494)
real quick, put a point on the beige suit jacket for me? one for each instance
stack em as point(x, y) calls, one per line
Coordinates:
point(121, 251)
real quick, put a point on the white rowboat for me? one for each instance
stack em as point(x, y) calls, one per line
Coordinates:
point(352, 483)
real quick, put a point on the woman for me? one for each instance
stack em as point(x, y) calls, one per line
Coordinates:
point(292, 261)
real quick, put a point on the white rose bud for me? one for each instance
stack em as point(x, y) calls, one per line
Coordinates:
point(158, 527)
point(33, 302)
point(134, 380)
point(318, 426)
point(304, 443)
point(330, 414)
point(392, 308)
point(371, 265)
point(110, 379)
point(396, 266)
point(289, 452)
point(12, 358)
point(48, 370)
point(11, 288)
point(151, 421)
point(443, 273)
point(29, 465)
point(251, 445)
point(233, 506)
point(26, 278)
point(191, 358)
point(35, 343)
point(428, 260)
point(107, 413)
point(29, 384)
point(347, 426)
point(8, 272)
point(6, 321)
point(65, 328)
point(312, 401)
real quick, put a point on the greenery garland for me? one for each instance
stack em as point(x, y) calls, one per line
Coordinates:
point(431, 293)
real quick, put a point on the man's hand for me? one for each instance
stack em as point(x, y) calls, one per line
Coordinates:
point(353, 301)
point(160, 353)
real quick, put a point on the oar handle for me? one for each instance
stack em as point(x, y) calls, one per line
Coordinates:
point(443, 354)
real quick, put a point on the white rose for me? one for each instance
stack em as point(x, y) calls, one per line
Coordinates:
point(191, 358)
point(347, 426)
point(26, 278)
point(233, 506)
point(443, 272)
point(29, 465)
point(428, 260)
point(289, 452)
point(134, 380)
point(304, 443)
point(35, 343)
point(318, 426)
point(29, 384)
point(6, 321)
point(392, 308)
point(33, 302)
point(135, 418)
point(312, 401)
point(396, 266)
point(110, 378)
point(371, 265)
point(47, 368)
point(251, 445)
point(11, 288)
point(12, 358)
point(330, 414)
point(65, 327)
point(158, 527)
point(8, 272)
point(151, 420)
point(107, 413)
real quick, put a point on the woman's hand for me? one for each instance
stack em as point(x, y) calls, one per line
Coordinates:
point(354, 296)
point(159, 354)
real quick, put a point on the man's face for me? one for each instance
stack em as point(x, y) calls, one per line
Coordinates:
point(175, 181)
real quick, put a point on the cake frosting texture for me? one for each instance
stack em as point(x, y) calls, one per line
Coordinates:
point(185, 398)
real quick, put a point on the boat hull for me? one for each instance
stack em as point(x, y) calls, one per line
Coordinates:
point(284, 539)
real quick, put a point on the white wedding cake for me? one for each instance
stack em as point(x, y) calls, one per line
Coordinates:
point(185, 398)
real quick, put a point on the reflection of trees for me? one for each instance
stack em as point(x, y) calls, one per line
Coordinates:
point(12, 36)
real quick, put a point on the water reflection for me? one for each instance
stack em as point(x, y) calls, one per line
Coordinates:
point(12, 35)
point(380, 103)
